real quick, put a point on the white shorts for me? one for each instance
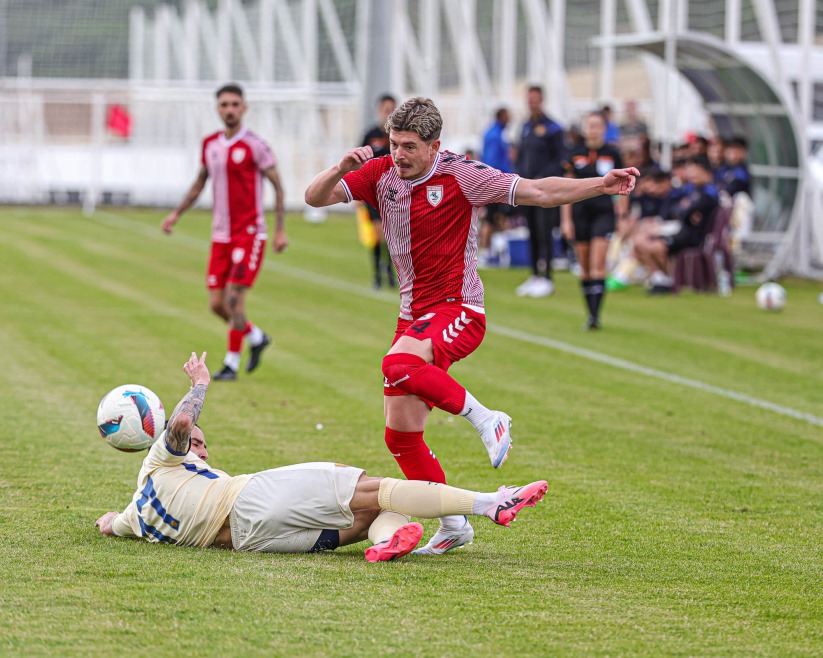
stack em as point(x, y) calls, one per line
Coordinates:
point(284, 510)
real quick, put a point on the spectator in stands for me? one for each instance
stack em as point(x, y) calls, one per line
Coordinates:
point(698, 146)
point(540, 154)
point(715, 153)
point(591, 222)
point(378, 139)
point(633, 129)
point(497, 153)
point(649, 214)
point(612, 131)
point(693, 210)
point(733, 176)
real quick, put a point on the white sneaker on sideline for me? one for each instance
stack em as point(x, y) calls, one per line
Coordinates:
point(445, 540)
point(523, 289)
point(496, 436)
point(542, 288)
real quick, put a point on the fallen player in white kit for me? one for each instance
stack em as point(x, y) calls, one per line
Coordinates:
point(293, 509)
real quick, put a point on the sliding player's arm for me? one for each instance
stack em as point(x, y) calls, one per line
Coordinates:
point(188, 201)
point(120, 524)
point(325, 189)
point(280, 241)
point(187, 411)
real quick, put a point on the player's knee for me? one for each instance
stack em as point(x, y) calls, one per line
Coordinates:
point(397, 368)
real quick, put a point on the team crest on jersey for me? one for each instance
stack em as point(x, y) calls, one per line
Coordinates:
point(238, 155)
point(237, 254)
point(434, 194)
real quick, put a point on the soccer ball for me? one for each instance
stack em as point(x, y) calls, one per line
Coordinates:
point(130, 418)
point(771, 296)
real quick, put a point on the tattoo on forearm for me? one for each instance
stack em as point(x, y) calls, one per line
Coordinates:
point(189, 408)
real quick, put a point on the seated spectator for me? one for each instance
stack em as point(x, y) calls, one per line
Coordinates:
point(715, 152)
point(651, 204)
point(733, 176)
point(698, 146)
point(693, 210)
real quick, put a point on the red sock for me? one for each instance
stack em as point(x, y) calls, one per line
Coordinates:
point(235, 340)
point(414, 457)
point(413, 375)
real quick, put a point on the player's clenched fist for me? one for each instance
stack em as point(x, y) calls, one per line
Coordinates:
point(355, 159)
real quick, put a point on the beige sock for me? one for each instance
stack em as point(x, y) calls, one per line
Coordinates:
point(426, 500)
point(385, 524)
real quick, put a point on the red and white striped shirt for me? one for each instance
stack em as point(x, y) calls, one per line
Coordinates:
point(235, 167)
point(431, 225)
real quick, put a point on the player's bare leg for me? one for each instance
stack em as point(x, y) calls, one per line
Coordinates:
point(363, 520)
point(217, 303)
point(240, 327)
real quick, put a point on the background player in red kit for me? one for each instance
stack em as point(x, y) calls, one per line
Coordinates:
point(237, 160)
point(429, 203)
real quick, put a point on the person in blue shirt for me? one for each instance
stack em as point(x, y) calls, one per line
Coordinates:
point(496, 148)
point(541, 153)
point(612, 135)
point(497, 153)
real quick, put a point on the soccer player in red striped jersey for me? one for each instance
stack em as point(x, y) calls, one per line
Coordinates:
point(237, 161)
point(429, 202)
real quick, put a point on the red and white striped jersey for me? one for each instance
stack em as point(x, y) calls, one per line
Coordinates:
point(235, 167)
point(431, 225)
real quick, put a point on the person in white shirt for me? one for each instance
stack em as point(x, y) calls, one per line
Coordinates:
point(182, 500)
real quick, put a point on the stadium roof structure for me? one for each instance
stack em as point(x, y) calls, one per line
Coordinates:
point(740, 101)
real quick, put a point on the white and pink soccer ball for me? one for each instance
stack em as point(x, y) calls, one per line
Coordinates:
point(131, 418)
point(770, 296)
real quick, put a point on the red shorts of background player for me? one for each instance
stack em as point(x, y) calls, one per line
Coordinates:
point(456, 330)
point(236, 262)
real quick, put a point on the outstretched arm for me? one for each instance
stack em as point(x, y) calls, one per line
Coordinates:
point(186, 413)
point(324, 190)
point(280, 240)
point(553, 191)
point(191, 196)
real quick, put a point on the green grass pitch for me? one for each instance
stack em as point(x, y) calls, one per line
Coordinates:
point(679, 521)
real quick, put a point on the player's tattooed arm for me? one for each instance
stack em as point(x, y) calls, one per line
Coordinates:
point(187, 411)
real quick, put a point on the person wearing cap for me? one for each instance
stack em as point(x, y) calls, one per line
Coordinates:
point(698, 202)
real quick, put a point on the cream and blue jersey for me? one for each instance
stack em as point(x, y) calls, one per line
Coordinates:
point(179, 499)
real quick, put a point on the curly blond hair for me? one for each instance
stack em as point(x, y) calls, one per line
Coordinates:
point(418, 115)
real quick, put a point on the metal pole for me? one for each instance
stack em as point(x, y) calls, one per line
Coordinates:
point(608, 17)
point(667, 19)
point(380, 58)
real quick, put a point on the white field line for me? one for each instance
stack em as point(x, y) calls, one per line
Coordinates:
point(271, 263)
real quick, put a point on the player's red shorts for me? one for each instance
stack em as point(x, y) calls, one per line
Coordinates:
point(237, 261)
point(456, 330)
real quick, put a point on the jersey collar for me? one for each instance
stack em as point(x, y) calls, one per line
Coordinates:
point(230, 142)
point(431, 171)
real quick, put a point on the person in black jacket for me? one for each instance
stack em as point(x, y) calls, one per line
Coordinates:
point(540, 154)
point(590, 223)
point(378, 139)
